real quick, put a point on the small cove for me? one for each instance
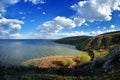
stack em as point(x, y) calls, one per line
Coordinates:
point(14, 52)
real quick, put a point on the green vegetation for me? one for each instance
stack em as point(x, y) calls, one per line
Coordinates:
point(85, 58)
point(103, 41)
point(99, 54)
point(77, 41)
point(68, 63)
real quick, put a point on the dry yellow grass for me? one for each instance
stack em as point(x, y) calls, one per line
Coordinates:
point(53, 61)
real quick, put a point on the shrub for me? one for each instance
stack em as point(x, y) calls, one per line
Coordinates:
point(68, 62)
point(85, 58)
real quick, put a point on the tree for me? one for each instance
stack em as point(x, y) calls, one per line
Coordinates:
point(91, 54)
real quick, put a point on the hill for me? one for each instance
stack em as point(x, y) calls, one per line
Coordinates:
point(103, 41)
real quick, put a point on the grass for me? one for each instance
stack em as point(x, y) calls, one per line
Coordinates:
point(85, 58)
point(47, 77)
point(68, 63)
point(52, 62)
point(113, 74)
point(62, 61)
point(100, 54)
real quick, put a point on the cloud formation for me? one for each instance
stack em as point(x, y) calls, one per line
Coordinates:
point(56, 25)
point(89, 10)
point(57, 35)
point(15, 35)
point(112, 26)
point(68, 34)
point(0, 15)
point(35, 1)
point(10, 27)
point(96, 10)
point(5, 3)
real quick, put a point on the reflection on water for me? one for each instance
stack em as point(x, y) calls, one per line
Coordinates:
point(13, 52)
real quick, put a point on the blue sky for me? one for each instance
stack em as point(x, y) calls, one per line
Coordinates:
point(53, 19)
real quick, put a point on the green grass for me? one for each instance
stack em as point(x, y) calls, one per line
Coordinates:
point(98, 53)
point(85, 58)
point(102, 41)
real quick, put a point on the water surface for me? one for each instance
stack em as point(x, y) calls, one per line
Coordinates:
point(14, 52)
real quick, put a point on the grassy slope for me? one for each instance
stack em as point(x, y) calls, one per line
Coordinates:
point(103, 41)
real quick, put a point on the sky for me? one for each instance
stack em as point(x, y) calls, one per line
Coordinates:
point(54, 19)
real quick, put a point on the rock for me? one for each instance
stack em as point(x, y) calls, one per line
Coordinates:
point(114, 55)
point(104, 62)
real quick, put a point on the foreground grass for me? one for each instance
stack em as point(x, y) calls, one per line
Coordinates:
point(13, 74)
point(46, 77)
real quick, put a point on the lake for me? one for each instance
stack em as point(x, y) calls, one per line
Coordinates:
point(14, 52)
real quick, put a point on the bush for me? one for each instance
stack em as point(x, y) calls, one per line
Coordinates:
point(68, 62)
point(85, 58)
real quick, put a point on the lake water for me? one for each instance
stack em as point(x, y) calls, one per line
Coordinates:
point(14, 52)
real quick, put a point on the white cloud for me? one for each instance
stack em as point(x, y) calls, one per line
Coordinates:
point(21, 12)
point(5, 3)
point(87, 10)
point(16, 35)
point(78, 21)
point(104, 28)
point(67, 34)
point(10, 1)
point(44, 13)
point(5, 21)
point(0, 15)
point(86, 24)
point(90, 10)
point(23, 17)
point(78, 33)
point(98, 32)
point(35, 1)
point(56, 25)
point(3, 32)
point(15, 26)
point(2, 8)
point(112, 26)
point(96, 10)
point(57, 35)
point(65, 22)
point(50, 27)
point(32, 20)
point(8, 27)
point(111, 30)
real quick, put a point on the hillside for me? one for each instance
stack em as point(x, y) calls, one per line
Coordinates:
point(103, 41)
